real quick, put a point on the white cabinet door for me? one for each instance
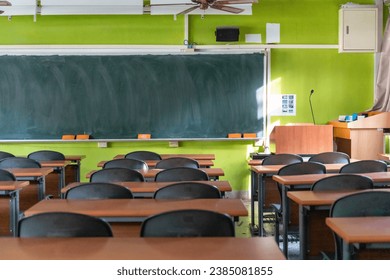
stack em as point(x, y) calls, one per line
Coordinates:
point(358, 29)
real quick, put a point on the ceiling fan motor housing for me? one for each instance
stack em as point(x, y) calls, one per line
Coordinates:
point(227, 34)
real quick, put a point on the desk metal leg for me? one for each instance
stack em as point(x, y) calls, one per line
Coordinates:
point(14, 211)
point(253, 191)
point(302, 232)
point(260, 202)
point(41, 188)
point(285, 214)
point(347, 250)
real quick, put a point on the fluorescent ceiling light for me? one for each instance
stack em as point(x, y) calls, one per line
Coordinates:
point(92, 2)
point(92, 10)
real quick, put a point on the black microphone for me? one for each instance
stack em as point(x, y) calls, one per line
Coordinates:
point(311, 107)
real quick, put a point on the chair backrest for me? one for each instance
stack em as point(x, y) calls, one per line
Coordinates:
point(19, 162)
point(277, 159)
point(187, 190)
point(360, 204)
point(5, 155)
point(143, 155)
point(330, 157)
point(188, 223)
point(177, 162)
point(364, 166)
point(46, 155)
point(301, 168)
point(5, 175)
point(129, 163)
point(181, 174)
point(62, 224)
point(343, 182)
point(117, 174)
point(98, 191)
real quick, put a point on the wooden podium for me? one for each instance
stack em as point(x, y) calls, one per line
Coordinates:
point(303, 139)
point(363, 138)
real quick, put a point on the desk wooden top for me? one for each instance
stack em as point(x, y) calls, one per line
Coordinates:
point(312, 198)
point(136, 207)
point(273, 169)
point(55, 163)
point(75, 157)
point(307, 179)
point(151, 187)
point(361, 229)
point(13, 185)
point(193, 156)
point(152, 163)
point(99, 248)
point(151, 173)
point(30, 172)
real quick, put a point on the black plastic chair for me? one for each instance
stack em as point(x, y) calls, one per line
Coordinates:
point(62, 224)
point(46, 155)
point(19, 162)
point(299, 168)
point(343, 182)
point(330, 157)
point(282, 159)
point(361, 204)
point(135, 164)
point(143, 155)
point(98, 191)
point(116, 175)
point(177, 162)
point(187, 190)
point(5, 155)
point(188, 223)
point(181, 174)
point(364, 166)
point(5, 175)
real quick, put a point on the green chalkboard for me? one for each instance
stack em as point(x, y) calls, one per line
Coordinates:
point(117, 97)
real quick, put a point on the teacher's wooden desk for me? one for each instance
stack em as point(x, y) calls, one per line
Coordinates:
point(11, 189)
point(258, 176)
point(213, 173)
point(136, 210)
point(100, 248)
point(295, 182)
point(355, 231)
point(147, 189)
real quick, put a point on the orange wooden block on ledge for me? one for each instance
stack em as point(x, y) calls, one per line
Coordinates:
point(249, 135)
point(234, 135)
point(144, 136)
point(68, 137)
point(82, 136)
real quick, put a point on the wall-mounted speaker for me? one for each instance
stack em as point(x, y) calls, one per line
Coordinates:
point(227, 34)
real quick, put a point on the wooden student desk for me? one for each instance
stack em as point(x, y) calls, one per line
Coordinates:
point(136, 210)
point(213, 173)
point(76, 162)
point(100, 248)
point(354, 231)
point(33, 174)
point(295, 182)
point(258, 176)
point(192, 156)
point(147, 189)
point(308, 202)
point(58, 166)
point(204, 163)
point(12, 189)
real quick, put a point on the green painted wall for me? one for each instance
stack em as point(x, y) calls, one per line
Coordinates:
point(343, 83)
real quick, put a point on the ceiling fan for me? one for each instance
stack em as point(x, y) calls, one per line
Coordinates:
point(4, 3)
point(213, 4)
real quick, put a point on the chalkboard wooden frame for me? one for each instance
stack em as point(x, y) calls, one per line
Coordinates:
point(118, 96)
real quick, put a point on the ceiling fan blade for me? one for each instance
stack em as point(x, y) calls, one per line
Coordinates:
point(235, 2)
point(175, 4)
point(188, 10)
point(1, 12)
point(5, 3)
point(227, 9)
